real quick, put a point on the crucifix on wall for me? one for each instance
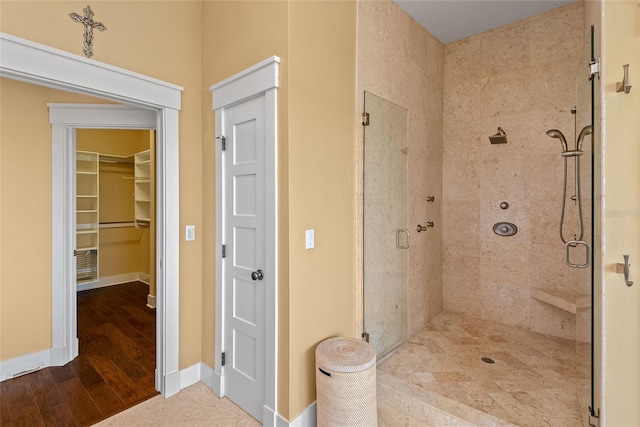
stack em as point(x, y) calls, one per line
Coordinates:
point(89, 25)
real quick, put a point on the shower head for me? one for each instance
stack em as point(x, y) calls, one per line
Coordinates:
point(587, 130)
point(555, 133)
point(499, 138)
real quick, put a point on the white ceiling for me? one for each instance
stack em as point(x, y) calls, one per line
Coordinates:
point(451, 20)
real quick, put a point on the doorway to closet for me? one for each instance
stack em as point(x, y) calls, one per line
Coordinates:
point(115, 256)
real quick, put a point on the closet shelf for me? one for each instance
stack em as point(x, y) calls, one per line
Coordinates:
point(111, 158)
point(87, 208)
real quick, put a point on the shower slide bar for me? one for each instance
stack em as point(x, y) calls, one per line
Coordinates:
point(575, 244)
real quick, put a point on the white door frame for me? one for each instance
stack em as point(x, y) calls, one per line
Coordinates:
point(42, 65)
point(65, 119)
point(258, 80)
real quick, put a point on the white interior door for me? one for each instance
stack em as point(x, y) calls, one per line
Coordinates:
point(245, 272)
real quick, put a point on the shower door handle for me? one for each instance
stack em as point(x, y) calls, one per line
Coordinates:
point(398, 244)
point(574, 244)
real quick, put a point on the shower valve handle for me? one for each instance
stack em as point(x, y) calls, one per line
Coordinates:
point(424, 228)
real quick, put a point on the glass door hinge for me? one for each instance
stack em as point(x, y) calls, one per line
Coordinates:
point(365, 336)
point(594, 420)
point(594, 68)
point(365, 119)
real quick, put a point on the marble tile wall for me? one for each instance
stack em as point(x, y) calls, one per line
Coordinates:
point(401, 62)
point(521, 77)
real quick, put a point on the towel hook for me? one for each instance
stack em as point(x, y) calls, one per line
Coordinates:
point(625, 269)
point(625, 84)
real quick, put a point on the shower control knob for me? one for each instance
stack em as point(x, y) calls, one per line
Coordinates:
point(424, 227)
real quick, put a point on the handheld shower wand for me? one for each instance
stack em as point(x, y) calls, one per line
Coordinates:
point(555, 133)
point(587, 130)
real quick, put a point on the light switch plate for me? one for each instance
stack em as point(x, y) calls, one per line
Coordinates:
point(190, 233)
point(310, 239)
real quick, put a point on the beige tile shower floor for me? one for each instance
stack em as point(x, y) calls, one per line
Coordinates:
point(438, 377)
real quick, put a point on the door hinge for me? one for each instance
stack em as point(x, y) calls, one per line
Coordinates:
point(365, 336)
point(594, 420)
point(223, 140)
point(75, 252)
point(224, 361)
point(224, 251)
point(594, 68)
point(365, 119)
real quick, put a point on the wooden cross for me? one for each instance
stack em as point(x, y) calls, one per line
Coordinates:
point(89, 25)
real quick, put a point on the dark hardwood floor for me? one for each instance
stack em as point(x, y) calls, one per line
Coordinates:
point(114, 371)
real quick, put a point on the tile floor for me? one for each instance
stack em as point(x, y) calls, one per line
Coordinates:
point(435, 379)
point(438, 377)
point(194, 406)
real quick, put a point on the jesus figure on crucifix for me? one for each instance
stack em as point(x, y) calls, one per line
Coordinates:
point(89, 25)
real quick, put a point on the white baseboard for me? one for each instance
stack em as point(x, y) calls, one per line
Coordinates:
point(24, 364)
point(308, 418)
point(210, 378)
point(151, 301)
point(114, 280)
point(191, 375)
point(144, 278)
point(171, 384)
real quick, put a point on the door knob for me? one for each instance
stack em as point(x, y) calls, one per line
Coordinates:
point(257, 275)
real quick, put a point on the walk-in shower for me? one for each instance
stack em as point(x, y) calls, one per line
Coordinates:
point(508, 296)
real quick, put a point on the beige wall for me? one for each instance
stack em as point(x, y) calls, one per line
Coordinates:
point(620, 215)
point(322, 120)
point(521, 77)
point(316, 44)
point(406, 68)
point(138, 41)
point(25, 227)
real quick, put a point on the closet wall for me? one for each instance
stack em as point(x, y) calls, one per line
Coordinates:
point(123, 249)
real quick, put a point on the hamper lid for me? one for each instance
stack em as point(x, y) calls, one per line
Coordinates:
point(345, 355)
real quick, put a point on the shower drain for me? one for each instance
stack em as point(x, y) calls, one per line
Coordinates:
point(488, 360)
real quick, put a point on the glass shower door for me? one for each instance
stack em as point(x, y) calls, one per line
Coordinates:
point(585, 372)
point(386, 236)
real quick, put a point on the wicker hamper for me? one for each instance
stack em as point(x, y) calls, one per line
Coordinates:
point(346, 383)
